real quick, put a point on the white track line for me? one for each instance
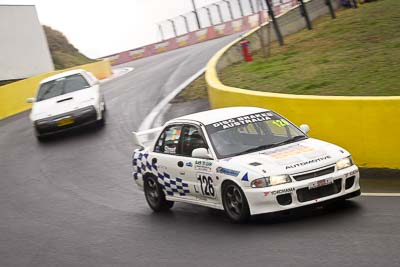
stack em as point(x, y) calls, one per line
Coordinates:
point(380, 194)
point(117, 73)
point(147, 123)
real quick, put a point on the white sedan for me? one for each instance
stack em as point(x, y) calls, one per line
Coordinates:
point(243, 160)
point(66, 100)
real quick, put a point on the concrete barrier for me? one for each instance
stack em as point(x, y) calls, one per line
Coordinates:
point(368, 127)
point(244, 23)
point(13, 96)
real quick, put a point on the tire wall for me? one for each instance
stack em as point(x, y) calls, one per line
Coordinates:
point(368, 127)
point(13, 96)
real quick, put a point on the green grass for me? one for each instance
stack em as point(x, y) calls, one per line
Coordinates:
point(196, 90)
point(356, 54)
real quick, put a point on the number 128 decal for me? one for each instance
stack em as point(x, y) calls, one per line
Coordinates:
point(206, 185)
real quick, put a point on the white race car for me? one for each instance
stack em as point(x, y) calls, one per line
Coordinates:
point(243, 160)
point(66, 100)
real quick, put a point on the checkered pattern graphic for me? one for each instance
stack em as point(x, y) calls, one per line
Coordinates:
point(141, 162)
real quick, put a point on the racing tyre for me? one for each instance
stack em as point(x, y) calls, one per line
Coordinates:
point(102, 121)
point(235, 203)
point(155, 197)
point(40, 138)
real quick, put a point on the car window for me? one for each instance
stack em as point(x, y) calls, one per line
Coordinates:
point(249, 129)
point(62, 86)
point(168, 142)
point(251, 133)
point(191, 139)
point(280, 127)
point(75, 83)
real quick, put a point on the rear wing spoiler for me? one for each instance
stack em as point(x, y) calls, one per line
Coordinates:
point(146, 138)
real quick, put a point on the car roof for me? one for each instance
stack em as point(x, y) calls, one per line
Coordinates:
point(216, 115)
point(62, 74)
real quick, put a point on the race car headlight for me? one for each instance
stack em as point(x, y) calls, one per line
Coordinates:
point(270, 181)
point(344, 163)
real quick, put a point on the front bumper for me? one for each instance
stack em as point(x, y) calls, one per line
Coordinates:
point(73, 119)
point(297, 194)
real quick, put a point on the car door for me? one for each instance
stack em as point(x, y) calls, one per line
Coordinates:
point(199, 173)
point(170, 163)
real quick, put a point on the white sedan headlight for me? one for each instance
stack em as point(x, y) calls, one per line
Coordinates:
point(344, 163)
point(270, 181)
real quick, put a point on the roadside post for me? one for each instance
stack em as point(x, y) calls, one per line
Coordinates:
point(331, 10)
point(274, 22)
point(304, 13)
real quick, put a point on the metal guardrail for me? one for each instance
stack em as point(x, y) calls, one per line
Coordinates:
point(210, 15)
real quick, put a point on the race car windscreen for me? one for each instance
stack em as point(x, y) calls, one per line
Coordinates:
point(251, 133)
point(61, 86)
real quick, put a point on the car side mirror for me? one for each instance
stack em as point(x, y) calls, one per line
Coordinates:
point(305, 128)
point(31, 100)
point(201, 153)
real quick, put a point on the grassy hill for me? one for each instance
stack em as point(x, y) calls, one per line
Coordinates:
point(356, 54)
point(64, 54)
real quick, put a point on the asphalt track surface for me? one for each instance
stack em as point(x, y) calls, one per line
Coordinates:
point(71, 201)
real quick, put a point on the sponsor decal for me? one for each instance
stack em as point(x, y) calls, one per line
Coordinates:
point(203, 165)
point(189, 164)
point(138, 53)
point(239, 121)
point(280, 123)
point(300, 164)
point(294, 150)
point(206, 185)
point(220, 29)
point(245, 177)
point(283, 191)
point(253, 20)
point(182, 41)
point(228, 171)
point(237, 25)
point(161, 47)
point(351, 173)
point(174, 134)
point(113, 59)
point(280, 192)
point(201, 35)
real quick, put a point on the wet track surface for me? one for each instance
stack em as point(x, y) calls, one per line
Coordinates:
point(71, 201)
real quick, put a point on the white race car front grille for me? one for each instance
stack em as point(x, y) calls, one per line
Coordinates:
point(313, 174)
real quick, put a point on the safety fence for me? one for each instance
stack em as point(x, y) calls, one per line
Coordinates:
point(244, 23)
point(367, 126)
point(13, 96)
